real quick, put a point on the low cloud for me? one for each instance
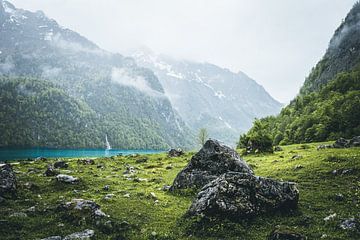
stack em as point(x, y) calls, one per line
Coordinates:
point(50, 72)
point(7, 65)
point(124, 77)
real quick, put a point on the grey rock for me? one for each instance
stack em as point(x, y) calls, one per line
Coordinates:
point(7, 180)
point(106, 187)
point(86, 161)
point(341, 143)
point(175, 152)
point(50, 171)
point(141, 160)
point(298, 167)
point(278, 149)
point(129, 170)
point(243, 195)
point(84, 235)
point(350, 224)
point(61, 164)
point(66, 179)
point(355, 141)
point(295, 157)
point(278, 234)
point(19, 215)
point(53, 238)
point(83, 206)
point(213, 159)
point(324, 146)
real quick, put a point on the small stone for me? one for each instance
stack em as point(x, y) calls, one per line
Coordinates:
point(31, 209)
point(19, 215)
point(61, 164)
point(50, 171)
point(66, 179)
point(278, 149)
point(153, 195)
point(166, 188)
point(298, 167)
point(330, 217)
point(142, 160)
point(53, 238)
point(296, 157)
point(108, 196)
point(285, 234)
point(106, 187)
point(350, 224)
point(339, 197)
point(86, 161)
point(87, 234)
point(175, 152)
point(127, 195)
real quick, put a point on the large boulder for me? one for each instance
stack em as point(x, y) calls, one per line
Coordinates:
point(7, 180)
point(243, 195)
point(213, 160)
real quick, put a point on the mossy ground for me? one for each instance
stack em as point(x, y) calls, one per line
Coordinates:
point(164, 219)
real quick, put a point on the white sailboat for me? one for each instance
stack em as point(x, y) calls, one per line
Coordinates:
point(108, 147)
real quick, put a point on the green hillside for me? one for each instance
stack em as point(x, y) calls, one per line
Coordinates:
point(140, 209)
point(35, 113)
point(328, 104)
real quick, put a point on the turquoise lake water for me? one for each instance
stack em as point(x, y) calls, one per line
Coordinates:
point(17, 154)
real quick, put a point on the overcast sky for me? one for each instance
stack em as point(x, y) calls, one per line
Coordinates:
point(275, 42)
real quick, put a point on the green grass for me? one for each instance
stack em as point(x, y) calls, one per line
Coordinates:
point(164, 219)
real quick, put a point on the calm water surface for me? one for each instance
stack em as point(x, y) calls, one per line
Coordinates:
point(16, 154)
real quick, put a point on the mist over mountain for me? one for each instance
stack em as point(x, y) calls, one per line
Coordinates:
point(327, 106)
point(208, 96)
point(126, 102)
point(342, 55)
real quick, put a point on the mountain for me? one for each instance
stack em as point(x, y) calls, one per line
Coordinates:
point(328, 104)
point(208, 96)
point(124, 101)
point(342, 55)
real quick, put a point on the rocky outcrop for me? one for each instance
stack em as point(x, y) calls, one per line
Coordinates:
point(346, 143)
point(213, 160)
point(230, 188)
point(7, 180)
point(240, 195)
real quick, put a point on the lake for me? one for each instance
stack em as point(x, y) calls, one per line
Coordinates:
point(17, 154)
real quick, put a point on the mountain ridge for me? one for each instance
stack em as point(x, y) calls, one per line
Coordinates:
point(112, 85)
point(206, 95)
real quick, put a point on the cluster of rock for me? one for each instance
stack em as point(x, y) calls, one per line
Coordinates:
point(85, 206)
point(229, 186)
point(7, 181)
point(342, 143)
point(175, 152)
point(84, 235)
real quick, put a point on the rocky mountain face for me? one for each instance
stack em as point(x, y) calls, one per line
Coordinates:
point(127, 101)
point(342, 55)
point(208, 96)
point(327, 107)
